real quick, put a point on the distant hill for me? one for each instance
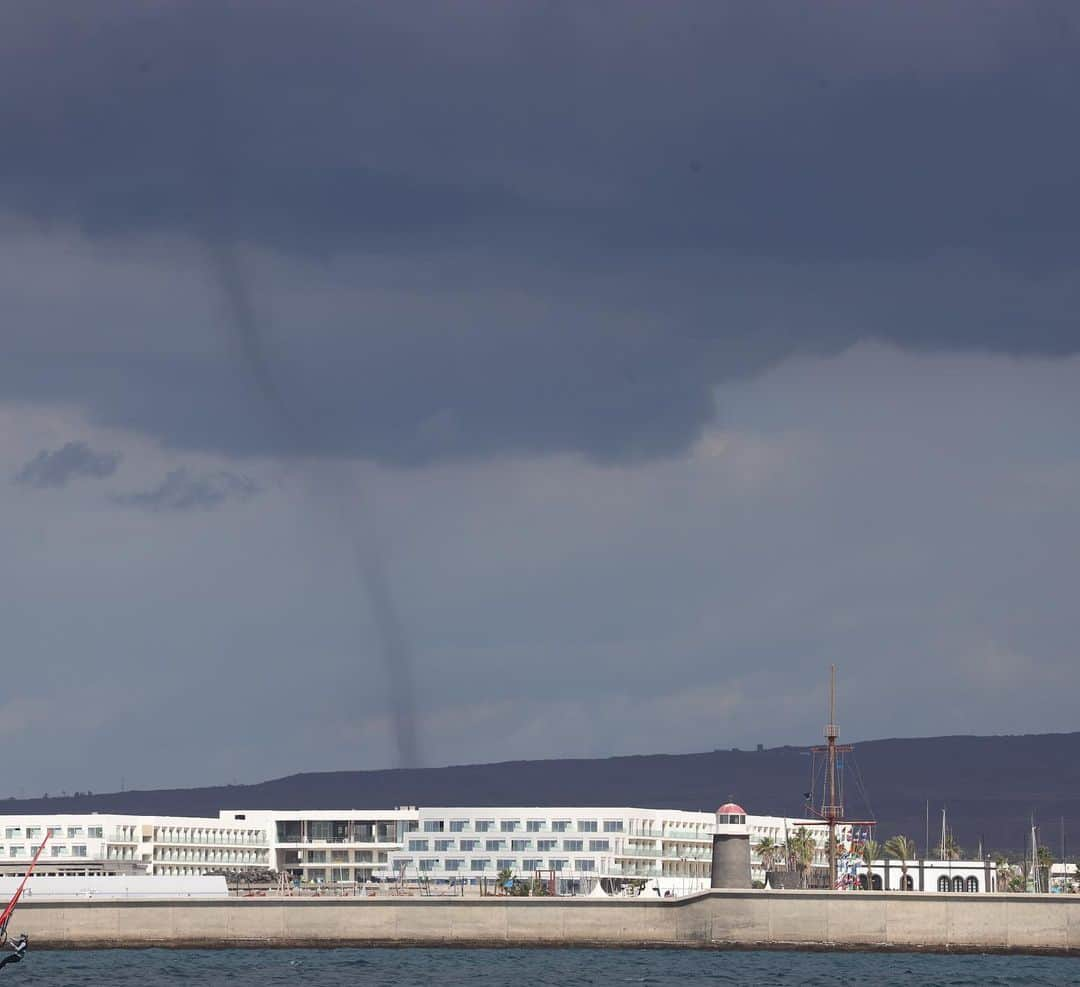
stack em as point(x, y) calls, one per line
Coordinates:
point(991, 785)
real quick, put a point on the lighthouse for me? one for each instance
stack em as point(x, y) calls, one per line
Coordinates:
point(731, 848)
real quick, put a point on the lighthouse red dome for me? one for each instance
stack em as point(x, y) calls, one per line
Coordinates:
point(731, 809)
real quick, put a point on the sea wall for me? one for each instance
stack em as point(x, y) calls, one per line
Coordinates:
point(717, 919)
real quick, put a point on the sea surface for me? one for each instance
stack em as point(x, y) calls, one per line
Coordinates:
point(481, 967)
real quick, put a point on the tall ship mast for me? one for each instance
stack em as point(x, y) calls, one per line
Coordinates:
point(831, 807)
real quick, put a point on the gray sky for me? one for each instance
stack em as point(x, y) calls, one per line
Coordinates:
point(660, 353)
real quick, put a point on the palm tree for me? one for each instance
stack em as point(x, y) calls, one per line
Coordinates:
point(903, 849)
point(767, 850)
point(951, 851)
point(869, 853)
point(801, 847)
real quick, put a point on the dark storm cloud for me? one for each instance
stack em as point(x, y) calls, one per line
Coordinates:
point(624, 162)
point(182, 490)
point(57, 468)
point(700, 126)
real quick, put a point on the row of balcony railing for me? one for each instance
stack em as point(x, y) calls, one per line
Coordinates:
point(666, 854)
point(295, 839)
point(210, 839)
point(181, 856)
point(627, 871)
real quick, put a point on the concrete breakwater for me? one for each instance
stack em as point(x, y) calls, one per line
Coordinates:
point(712, 919)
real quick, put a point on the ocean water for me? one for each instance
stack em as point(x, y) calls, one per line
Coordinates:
point(483, 967)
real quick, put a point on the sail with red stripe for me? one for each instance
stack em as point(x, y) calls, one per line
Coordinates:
point(6, 914)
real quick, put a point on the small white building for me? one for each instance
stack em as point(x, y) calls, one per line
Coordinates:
point(1064, 878)
point(946, 876)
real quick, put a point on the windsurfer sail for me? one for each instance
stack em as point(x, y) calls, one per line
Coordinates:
point(18, 948)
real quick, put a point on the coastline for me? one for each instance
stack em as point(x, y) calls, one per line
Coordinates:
point(717, 919)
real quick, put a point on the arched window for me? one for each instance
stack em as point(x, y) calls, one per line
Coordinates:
point(944, 884)
point(863, 882)
point(877, 882)
point(906, 883)
point(958, 884)
point(973, 884)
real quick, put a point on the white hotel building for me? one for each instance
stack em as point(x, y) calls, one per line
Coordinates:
point(669, 847)
point(92, 844)
point(345, 848)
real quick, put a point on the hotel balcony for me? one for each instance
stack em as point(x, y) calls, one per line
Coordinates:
point(687, 835)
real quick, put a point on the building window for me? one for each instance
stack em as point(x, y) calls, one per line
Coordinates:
point(78, 850)
point(468, 846)
point(907, 884)
point(417, 846)
point(13, 832)
point(518, 846)
point(546, 846)
point(613, 826)
point(958, 884)
point(573, 846)
point(510, 825)
point(74, 832)
point(479, 863)
point(586, 826)
point(531, 863)
point(339, 856)
point(598, 846)
point(288, 831)
point(972, 884)
point(560, 826)
point(944, 884)
point(95, 832)
point(453, 865)
point(428, 864)
point(483, 825)
point(458, 825)
point(504, 863)
point(586, 865)
point(535, 826)
point(434, 826)
point(317, 876)
point(494, 846)
point(556, 864)
point(340, 875)
point(443, 845)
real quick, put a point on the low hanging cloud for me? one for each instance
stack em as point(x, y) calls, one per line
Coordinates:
point(58, 467)
point(182, 490)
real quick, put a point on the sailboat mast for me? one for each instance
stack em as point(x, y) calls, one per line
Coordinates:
point(831, 808)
